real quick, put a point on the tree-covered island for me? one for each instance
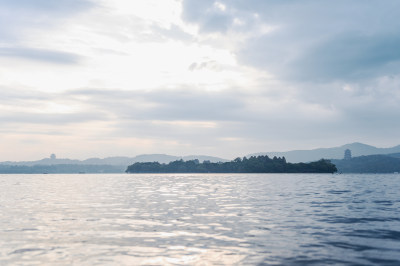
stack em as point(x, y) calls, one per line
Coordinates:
point(254, 164)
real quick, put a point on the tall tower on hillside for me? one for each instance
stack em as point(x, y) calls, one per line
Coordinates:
point(347, 154)
point(53, 156)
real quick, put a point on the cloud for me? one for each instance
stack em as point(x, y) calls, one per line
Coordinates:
point(44, 55)
point(213, 16)
point(232, 77)
point(50, 119)
point(209, 64)
point(21, 106)
point(349, 56)
point(221, 114)
point(233, 106)
point(188, 104)
point(59, 6)
point(19, 16)
point(23, 22)
point(190, 119)
point(174, 32)
point(311, 40)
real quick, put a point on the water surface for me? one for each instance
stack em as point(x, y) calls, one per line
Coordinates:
point(200, 219)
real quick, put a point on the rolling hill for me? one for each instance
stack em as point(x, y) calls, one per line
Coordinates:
point(357, 149)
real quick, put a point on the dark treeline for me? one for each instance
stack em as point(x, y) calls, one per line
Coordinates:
point(60, 169)
point(259, 164)
point(369, 164)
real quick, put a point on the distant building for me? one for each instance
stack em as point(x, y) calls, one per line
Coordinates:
point(53, 156)
point(347, 154)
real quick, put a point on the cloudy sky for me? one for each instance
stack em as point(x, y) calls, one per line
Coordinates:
point(99, 78)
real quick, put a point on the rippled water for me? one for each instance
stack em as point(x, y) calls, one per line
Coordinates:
point(204, 219)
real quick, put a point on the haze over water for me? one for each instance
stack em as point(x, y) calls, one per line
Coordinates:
point(206, 219)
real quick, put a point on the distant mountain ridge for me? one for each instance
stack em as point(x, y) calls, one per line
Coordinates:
point(118, 160)
point(294, 156)
point(357, 149)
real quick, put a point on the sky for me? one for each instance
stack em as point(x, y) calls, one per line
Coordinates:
point(86, 78)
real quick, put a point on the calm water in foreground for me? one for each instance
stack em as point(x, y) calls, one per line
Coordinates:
point(203, 219)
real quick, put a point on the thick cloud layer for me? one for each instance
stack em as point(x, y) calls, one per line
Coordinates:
point(17, 16)
point(225, 78)
point(200, 121)
point(45, 55)
point(309, 40)
point(22, 18)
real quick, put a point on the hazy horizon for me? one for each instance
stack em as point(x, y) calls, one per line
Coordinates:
point(85, 78)
point(279, 153)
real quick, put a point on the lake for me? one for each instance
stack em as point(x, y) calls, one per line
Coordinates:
point(200, 219)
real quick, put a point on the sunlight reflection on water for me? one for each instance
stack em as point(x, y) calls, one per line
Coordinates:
point(204, 219)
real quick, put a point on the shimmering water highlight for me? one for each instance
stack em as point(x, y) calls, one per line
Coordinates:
point(200, 219)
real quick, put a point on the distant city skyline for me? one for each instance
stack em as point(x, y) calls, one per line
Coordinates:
point(85, 78)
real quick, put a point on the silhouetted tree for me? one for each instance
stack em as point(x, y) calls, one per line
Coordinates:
point(259, 164)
